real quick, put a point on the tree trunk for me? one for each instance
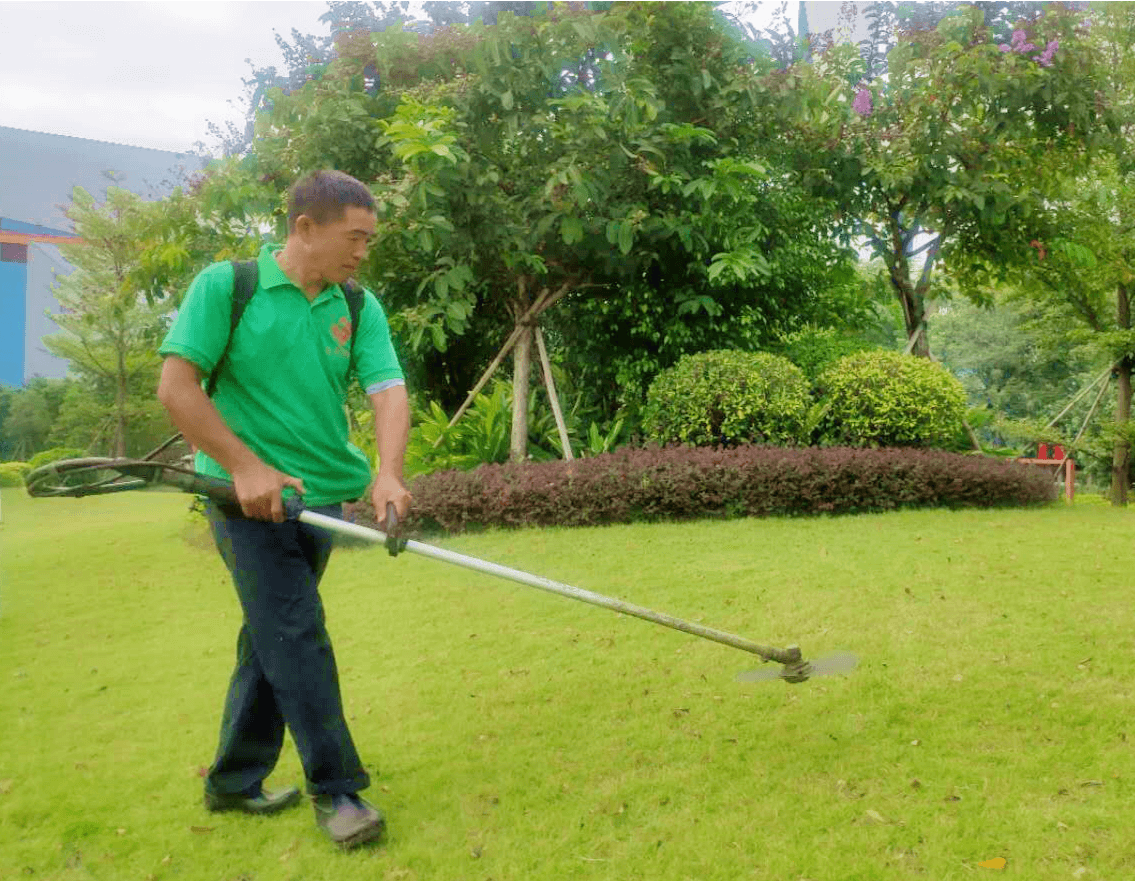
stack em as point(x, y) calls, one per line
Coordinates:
point(911, 296)
point(521, 371)
point(914, 317)
point(120, 407)
point(1120, 460)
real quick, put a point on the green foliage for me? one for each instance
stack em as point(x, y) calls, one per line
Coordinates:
point(88, 415)
point(575, 150)
point(728, 398)
point(110, 328)
point(55, 454)
point(12, 473)
point(483, 433)
point(28, 415)
point(886, 399)
point(960, 137)
point(601, 439)
point(814, 349)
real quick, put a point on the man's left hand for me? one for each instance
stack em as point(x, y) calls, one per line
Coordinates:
point(389, 490)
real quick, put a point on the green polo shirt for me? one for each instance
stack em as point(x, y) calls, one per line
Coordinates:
point(284, 385)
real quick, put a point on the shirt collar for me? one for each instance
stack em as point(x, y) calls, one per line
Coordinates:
point(272, 276)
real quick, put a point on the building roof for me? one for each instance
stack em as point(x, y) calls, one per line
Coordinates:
point(41, 170)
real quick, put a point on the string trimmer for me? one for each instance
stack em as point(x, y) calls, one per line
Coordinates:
point(82, 477)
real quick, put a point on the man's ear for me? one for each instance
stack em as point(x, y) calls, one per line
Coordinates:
point(303, 226)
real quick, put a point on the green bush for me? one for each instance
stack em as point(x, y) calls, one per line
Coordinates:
point(12, 473)
point(483, 434)
point(57, 454)
point(54, 455)
point(815, 349)
point(725, 398)
point(887, 399)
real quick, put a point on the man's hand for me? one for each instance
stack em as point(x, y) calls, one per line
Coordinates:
point(389, 490)
point(259, 488)
point(258, 485)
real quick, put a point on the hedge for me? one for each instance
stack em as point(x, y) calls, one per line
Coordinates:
point(651, 485)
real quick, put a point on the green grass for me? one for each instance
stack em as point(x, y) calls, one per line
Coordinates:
point(517, 735)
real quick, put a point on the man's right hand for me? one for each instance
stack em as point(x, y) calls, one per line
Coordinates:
point(259, 488)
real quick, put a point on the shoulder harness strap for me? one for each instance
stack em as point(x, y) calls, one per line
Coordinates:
point(245, 279)
point(356, 297)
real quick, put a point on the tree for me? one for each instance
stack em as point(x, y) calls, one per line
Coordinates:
point(946, 161)
point(568, 153)
point(110, 332)
point(306, 56)
point(1080, 255)
point(28, 414)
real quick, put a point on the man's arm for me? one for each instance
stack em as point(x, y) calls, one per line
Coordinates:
point(391, 433)
point(258, 485)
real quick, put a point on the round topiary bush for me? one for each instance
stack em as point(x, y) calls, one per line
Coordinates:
point(12, 473)
point(726, 398)
point(54, 455)
point(815, 349)
point(887, 399)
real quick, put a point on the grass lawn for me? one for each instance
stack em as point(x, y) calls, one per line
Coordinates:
point(518, 735)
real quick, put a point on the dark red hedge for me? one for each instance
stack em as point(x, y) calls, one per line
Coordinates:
point(650, 485)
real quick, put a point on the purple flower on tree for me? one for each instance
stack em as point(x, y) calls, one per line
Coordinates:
point(1019, 44)
point(1045, 58)
point(862, 102)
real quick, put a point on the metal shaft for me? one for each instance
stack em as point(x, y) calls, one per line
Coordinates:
point(790, 655)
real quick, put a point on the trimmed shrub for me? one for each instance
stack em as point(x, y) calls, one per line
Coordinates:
point(57, 454)
point(54, 455)
point(636, 485)
point(887, 399)
point(12, 473)
point(815, 349)
point(726, 398)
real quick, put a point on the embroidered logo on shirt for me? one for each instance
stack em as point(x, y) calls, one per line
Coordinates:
point(342, 331)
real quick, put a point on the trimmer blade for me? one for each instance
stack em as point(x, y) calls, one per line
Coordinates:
point(829, 665)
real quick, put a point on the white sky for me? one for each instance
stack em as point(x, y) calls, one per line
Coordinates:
point(149, 74)
point(152, 74)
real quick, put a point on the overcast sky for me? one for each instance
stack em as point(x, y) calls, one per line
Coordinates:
point(150, 74)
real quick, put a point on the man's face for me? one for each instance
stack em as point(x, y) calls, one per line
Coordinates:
point(337, 247)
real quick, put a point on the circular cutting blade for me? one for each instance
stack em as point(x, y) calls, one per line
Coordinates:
point(829, 665)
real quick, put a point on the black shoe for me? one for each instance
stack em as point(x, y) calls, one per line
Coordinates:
point(348, 820)
point(260, 803)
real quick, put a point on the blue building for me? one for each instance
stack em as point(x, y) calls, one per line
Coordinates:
point(38, 173)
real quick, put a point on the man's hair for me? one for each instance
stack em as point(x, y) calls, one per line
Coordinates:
point(324, 196)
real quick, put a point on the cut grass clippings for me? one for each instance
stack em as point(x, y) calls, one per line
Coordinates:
point(517, 735)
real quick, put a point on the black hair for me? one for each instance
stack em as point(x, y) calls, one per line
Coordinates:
point(324, 196)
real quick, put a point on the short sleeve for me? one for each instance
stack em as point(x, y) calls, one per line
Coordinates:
point(203, 323)
point(376, 362)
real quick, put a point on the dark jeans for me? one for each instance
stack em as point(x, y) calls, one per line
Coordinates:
point(285, 669)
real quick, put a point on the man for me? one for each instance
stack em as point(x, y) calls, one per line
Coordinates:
point(276, 423)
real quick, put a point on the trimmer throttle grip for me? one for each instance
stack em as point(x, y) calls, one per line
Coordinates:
point(394, 541)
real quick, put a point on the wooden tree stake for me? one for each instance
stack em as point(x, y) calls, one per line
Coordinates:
point(550, 385)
